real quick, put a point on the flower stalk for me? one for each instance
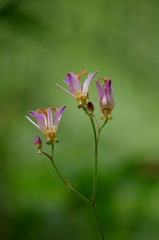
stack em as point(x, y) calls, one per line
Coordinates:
point(54, 165)
point(96, 132)
point(98, 222)
point(48, 124)
point(92, 203)
point(66, 182)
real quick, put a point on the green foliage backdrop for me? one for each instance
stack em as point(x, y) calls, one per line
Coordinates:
point(40, 41)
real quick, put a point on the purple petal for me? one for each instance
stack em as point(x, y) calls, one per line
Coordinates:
point(41, 119)
point(57, 116)
point(100, 91)
point(66, 81)
point(108, 91)
point(49, 120)
point(73, 82)
point(87, 81)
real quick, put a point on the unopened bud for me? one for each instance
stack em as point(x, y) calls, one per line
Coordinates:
point(90, 107)
point(38, 142)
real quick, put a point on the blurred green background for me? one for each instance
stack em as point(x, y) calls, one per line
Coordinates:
point(40, 41)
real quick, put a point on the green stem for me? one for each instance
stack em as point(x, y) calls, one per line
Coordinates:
point(98, 222)
point(95, 159)
point(78, 194)
point(66, 182)
point(93, 125)
point(96, 140)
point(95, 174)
point(54, 165)
point(106, 120)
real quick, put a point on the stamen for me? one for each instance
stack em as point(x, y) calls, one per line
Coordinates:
point(54, 108)
point(81, 73)
point(42, 110)
point(102, 79)
point(106, 79)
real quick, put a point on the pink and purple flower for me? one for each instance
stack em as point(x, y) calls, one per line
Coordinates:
point(77, 90)
point(46, 122)
point(105, 97)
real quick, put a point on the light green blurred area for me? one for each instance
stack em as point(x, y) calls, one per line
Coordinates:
point(40, 41)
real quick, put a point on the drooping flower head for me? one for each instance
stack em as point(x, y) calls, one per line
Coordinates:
point(105, 97)
point(77, 90)
point(47, 123)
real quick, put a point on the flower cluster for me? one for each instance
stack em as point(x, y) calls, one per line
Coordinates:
point(80, 91)
point(48, 124)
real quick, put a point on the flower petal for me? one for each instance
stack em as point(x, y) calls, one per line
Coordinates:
point(73, 82)
point(36, 125)
point(100, 90)
point(64, 89)
point(41, 119)
point(57, 116)
point(49, 119)
point(87, 81)
point(109, 92)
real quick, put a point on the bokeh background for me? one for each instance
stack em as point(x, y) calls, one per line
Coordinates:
point(40, 41)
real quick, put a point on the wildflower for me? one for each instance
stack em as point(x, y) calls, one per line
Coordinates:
point(77, 90)
point(105, 97)
point(38, 142)
point(45, 122)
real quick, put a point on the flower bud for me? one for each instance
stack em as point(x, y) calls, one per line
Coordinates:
point(90, 107)
point(38, 142)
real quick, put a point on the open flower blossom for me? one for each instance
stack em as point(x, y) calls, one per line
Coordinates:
point(105, 97)
point(77, 90)
point(47, 123)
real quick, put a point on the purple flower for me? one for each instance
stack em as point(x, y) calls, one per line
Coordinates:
point(47, 123)
point(105, 97)
point(77, 90)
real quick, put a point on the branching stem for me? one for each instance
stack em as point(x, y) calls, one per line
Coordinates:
point(92, 203)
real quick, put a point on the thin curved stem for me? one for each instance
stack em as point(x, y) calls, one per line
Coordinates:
point(96, 140)
point(78, 194)
point(93, 125)
point(54, 165)
point(95, 174)
point(95, 159)
point(66, 182)
point(92, 203)
point(98, 222)
point(106, 120)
